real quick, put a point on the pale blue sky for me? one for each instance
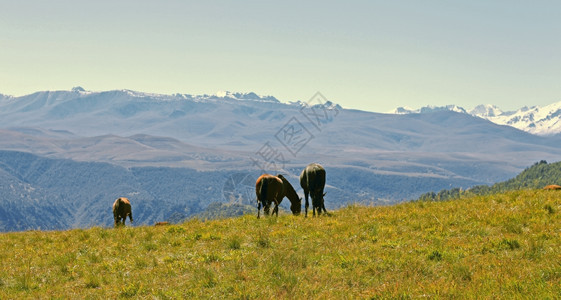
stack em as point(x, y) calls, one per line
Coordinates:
point(370, 55)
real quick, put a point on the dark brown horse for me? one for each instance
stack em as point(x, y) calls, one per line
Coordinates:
point(312, 180)
point(121, 208)
point(272, 189)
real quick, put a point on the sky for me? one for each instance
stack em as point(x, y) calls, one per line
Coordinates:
point(368, 55)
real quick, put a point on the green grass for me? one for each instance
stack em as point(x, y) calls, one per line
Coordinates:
point(499, 246)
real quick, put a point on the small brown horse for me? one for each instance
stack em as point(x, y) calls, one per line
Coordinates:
point(121, 208)
point(552, 187)
point(312, 181)
point(272, 189)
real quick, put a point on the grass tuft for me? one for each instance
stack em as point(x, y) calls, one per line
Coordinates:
point(435, 255)
point(129, 290)
point(549, 209)
point(509, 244)
point(235, 243)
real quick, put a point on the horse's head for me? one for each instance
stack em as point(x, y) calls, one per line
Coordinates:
point(296, 207)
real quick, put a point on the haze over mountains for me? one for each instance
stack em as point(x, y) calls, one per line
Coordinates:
point(69, 154)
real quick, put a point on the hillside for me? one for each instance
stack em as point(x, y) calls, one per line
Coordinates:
point(502, 246)
point(53, 194)
point(537, 176)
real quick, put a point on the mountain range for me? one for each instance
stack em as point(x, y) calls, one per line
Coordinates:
point(66, 155)
point(544, 121)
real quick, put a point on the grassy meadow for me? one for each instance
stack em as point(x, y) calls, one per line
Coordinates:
point(499, 246)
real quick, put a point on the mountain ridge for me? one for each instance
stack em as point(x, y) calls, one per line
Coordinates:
point(244, 127)
point(537, 120)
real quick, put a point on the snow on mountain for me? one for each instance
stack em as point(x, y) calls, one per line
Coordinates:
point(536, 120)
point(243, 96)
point(246, 121)
point(486, 111)
point(427, 109)
point(80, 92)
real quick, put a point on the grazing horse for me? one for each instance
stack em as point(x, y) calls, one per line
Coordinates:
point(272, 189)
point(121, 208)
point(290, 193)
point(312, 180)
point(552, 187)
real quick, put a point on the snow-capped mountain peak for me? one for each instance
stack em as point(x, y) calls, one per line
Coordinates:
point(486, 110)
point(78, 89)
point(536, 120)
point(427, 109)
point(244, 96)
point(403, 110)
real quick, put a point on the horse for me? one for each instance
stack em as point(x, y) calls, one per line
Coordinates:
point(121, 208)
point(312, 181)
point(552, 187)
point(272, 189)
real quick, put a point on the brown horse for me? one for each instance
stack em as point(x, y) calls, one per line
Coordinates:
point(552, 187)
point(272, 189)
point(121, 208)
point(312, 181)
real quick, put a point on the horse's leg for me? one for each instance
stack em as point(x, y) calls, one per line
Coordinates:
point(317, 203)
point(258, 208)
point(276, 209)
point(306, 192)
point(323, 202)
point(116, 218)
point(317, 208)
point(277, 200)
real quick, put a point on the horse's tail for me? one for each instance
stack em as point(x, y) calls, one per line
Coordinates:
point(116, 205)
point(263, 191)
point(130, 213)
